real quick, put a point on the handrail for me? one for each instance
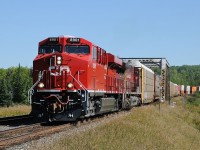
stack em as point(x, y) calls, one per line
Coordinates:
point(30, 91)
point(80, 84)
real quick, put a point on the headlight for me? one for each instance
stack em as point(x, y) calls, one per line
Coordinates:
point(41, 85)
point(59, 58)
point(70, 85)
point(58, 62)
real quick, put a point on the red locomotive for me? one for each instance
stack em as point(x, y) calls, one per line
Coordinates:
point(74, 78)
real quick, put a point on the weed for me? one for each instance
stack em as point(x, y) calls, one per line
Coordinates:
point(15, 110)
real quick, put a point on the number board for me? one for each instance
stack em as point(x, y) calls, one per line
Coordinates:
point(53, 40)
point(73, 40)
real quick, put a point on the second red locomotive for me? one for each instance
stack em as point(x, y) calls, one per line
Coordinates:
point(74, 78)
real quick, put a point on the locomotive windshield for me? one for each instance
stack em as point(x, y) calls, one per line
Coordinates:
point(46, 49)
point(77, 49)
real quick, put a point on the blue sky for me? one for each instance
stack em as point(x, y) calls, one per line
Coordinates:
point(129, 28)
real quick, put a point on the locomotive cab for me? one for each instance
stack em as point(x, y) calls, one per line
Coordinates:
point(59, 77)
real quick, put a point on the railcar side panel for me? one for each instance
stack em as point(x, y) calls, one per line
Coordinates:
point(157, 87)
point(148, 86)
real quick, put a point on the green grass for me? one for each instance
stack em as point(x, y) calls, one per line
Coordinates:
point(193, 105)
point(16, 110)
point(194, 100)
point(146, 128)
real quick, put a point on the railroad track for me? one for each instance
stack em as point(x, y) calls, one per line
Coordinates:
point(20, 135)
point(17, 130)
point(15, 119)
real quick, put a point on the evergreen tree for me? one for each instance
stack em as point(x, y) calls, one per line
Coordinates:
point(19, 93)
point(4, 94)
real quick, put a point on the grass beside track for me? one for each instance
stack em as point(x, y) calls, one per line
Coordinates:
point(16, 110)
point(170, 127)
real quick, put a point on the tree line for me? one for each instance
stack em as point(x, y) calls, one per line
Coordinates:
point(16, 81)
point(185, 75)
point(14, 85)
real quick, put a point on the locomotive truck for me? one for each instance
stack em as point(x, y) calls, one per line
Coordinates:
point(74, 78)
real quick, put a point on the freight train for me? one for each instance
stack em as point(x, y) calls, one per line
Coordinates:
point(187, 90)
point(74, 78)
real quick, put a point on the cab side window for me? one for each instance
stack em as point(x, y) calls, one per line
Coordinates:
point(94, 53)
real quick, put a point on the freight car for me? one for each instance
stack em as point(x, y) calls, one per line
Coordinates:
point(194, 89)
point(188, 90)
point(182, 90)
point(174, 89)
point(149, 88)
point(74, 78)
